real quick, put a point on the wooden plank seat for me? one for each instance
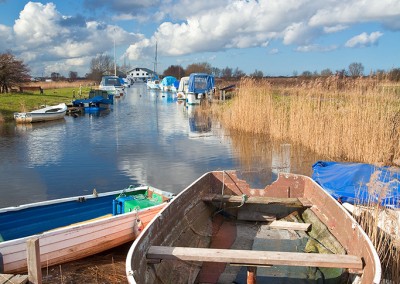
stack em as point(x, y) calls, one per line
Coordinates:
point(294, 202)
point(255, 258)
point(290, 225)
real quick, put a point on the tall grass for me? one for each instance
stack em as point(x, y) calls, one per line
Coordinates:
point(382, 225)
point(347, 119)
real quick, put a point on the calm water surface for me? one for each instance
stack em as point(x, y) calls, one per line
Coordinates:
point(146, 138)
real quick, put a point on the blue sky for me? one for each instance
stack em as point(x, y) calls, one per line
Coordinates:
point(277, 37)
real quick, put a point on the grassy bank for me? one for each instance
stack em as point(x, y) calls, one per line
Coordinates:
point(342, 119)
point(21, 102)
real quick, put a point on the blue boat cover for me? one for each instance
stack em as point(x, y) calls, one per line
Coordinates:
point(200, 83)
point(358, 183)
point(94, 100)
point(168, 81)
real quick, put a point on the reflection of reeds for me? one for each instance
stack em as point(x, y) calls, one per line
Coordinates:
point(350, 119)
point(382, 226)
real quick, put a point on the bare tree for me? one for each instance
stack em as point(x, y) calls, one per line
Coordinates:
point(73, 75)
point(175, 70)
point(326, 72)
point(238, 73)
point(226, 72)
point(356, 69)
point(99, 66)
point(12, 72)
point(199, 68)
point(257, 74)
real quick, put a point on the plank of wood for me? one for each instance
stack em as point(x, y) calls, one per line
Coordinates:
point(290, 225)
point(251, 257)
point(295, 202)
point(13, 279)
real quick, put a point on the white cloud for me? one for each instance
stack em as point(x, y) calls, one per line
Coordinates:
point(334, 29)
point(364, 39)
point(315, 48)
point(188, 27)
point(273, 51)
point(355, 11)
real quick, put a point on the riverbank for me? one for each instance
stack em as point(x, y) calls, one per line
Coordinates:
point(52, 94)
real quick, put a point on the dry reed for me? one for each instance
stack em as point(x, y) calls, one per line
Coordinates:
point(382, 226)
point(349, 119)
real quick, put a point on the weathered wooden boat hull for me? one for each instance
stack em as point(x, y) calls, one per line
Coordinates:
point(77, 240)
point(191, 239)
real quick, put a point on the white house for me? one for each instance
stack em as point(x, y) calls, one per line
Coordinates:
point(139, 74)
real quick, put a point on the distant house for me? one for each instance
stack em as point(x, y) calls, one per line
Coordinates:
point(139, 74)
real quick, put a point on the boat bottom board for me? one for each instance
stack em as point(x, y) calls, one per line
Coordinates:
point(261, 237)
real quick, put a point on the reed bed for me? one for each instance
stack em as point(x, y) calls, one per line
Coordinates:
point(346, 119)
point(382, 225)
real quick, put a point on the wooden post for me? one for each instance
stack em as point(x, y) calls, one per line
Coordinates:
point(33, 260)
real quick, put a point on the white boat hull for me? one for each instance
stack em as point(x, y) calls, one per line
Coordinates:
point(78, 241)
point(44, 114)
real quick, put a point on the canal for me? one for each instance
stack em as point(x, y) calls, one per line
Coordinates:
point(146, 138)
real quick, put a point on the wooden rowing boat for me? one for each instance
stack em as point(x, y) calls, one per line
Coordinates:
point(76, 227)
point(221, 230)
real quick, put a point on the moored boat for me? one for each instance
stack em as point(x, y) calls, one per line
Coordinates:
point(46, 113)
point(167, 84)
point(182, 88)
point(76, 227)
point(200, 87)
point(113, 86)
point(94, 104)
point(221, 230)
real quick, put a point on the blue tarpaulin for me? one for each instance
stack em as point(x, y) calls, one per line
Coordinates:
point(358, 183)
point(200, 83)
point(168, 81)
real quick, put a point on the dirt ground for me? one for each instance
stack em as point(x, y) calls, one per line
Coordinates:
point(104, 268)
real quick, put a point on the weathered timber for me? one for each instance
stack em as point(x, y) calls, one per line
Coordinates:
point(290, 225)
point(254, 258)
point(295, 202)
point(13, 279)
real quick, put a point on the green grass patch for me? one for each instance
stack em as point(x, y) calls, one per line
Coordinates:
point(22, 102)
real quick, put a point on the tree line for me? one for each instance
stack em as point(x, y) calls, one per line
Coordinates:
point(14, 71)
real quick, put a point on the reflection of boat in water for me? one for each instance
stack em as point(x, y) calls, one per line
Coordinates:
point(46, 113)
point(199, 123)
point(220, 229)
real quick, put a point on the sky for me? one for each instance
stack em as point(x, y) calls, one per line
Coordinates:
point(277, 37)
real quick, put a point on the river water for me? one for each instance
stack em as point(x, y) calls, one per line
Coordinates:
point(145, 138)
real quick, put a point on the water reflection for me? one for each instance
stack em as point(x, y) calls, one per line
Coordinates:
point(146, 137)
point(43, 142)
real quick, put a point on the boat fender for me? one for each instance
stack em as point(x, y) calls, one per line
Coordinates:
point(138, 227)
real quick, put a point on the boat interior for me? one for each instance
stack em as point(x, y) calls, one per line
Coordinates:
point(231, 233)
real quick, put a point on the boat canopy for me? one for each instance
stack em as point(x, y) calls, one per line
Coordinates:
point(111, 81)
point(358, 183)
point(200, 83)
point(168, 81)
point(183, 83)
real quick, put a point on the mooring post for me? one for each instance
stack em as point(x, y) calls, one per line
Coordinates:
point(33, 261)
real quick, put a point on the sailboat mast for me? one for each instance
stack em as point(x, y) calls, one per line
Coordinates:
point(155, 62)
